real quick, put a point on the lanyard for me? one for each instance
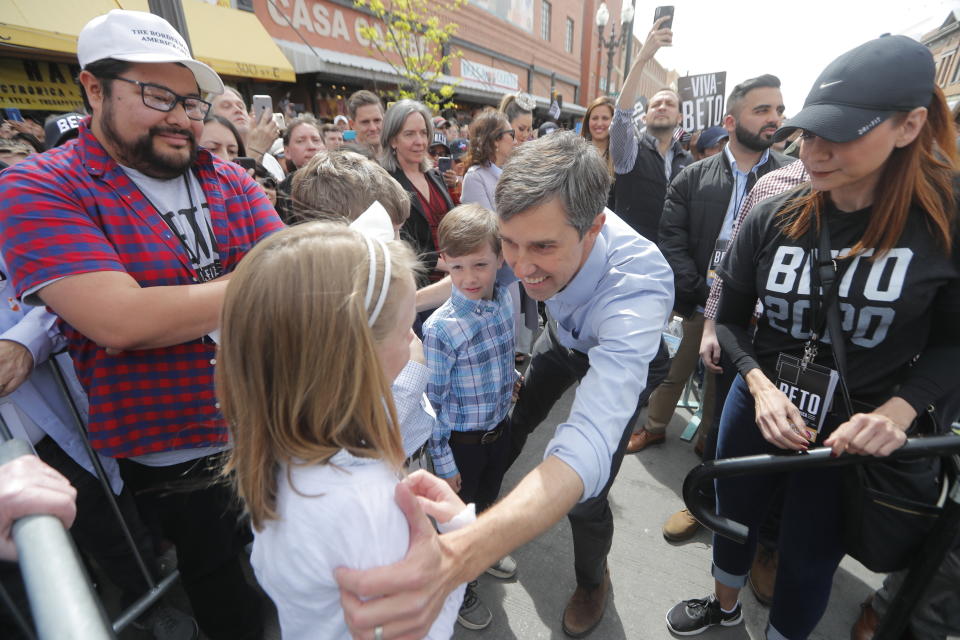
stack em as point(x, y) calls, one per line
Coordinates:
point(194, 257)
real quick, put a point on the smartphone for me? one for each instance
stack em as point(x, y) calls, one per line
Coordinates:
point(246, 163)
point(664, 11)
point(261, 104)
point(278, 120)
point(349, 135)
point(444, 163)
point(14, 114)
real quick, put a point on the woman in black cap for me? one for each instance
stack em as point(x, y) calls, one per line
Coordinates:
point(878, 144)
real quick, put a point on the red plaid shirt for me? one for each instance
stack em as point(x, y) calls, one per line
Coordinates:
point(73, 210)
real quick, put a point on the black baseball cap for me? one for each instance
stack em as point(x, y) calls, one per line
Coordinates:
point(62, 128)
point(864, 87)
point(440, 140)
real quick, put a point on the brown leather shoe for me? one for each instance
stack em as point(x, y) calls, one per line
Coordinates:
point(763, 575)
point(585, 609)
point(680, 526)
point(866, 624)
point(643, 439)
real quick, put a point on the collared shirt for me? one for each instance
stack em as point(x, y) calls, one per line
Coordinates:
point(769, 185)
point(613, 310)
point(414, 412)
point(38, 402)
point(741, 188)
point(743, 182)
point(72, 210)
point(624, 144)
point(469, 346)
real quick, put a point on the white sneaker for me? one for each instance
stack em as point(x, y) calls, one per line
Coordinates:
point(504, 569)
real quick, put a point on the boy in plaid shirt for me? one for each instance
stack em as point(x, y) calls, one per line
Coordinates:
point(469, 346)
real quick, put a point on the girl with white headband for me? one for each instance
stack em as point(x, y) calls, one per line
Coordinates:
point(316, 324)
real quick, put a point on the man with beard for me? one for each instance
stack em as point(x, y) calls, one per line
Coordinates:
point(645, 162)
point(129, 233)
point(695, 228)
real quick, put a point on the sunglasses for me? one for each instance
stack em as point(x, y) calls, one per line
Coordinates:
point(436, 153)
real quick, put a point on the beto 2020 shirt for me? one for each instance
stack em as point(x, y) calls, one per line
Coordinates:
point(887, 302)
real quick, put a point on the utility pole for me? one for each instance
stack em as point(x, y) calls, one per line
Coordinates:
point(172, 12)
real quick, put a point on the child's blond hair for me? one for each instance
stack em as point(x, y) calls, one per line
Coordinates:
point(298, 376)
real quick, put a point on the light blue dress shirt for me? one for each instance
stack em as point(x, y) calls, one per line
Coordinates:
point(613, 310)
point(38, 402)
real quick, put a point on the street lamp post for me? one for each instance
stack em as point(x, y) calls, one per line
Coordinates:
point(616, 40)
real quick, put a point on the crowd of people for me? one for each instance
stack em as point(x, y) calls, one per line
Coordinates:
point(319, 346)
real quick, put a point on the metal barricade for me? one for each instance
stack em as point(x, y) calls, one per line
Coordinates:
point(936, 546)
point(62, 611)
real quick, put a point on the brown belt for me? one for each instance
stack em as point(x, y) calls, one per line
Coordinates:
point(477, 437)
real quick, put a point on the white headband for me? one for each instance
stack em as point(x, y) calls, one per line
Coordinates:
point(374, 225)
point(371, 280)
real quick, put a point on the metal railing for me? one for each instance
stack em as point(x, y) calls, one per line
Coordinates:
point(62, 601)
point(935, 548)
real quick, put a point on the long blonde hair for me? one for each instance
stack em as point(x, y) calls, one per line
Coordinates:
point(298, 377)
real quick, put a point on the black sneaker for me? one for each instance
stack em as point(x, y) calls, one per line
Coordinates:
point(473, 614)
point(690, 617)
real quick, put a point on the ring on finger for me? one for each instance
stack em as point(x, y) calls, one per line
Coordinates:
point(378, 633)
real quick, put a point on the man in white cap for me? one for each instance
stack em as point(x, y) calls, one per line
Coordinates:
point(129, 233)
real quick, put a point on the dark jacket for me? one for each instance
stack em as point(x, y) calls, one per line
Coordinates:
point(416, 230)
point(638, 195)
point(696, 204)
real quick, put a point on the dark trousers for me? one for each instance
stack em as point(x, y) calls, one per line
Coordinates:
point(553, 369)
point(96, 532)
point(482, 467)
point(810, 542)
point(200, 515)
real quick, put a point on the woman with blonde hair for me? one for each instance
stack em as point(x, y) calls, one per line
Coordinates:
point(878, 145)
point(316, 324)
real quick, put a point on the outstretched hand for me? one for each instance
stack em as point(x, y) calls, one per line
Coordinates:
point(658, 37)
point(406, 597)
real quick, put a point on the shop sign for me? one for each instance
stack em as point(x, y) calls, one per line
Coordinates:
point(31, 84)
point(471, 70)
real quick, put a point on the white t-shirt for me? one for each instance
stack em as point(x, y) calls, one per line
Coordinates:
point(341, 514)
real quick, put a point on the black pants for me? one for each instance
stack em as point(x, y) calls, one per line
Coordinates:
point(482, 467)
point(96, 532)
point(553, 369)
point(201, 517)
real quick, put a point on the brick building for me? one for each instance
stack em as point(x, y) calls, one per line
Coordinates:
point(944, 43)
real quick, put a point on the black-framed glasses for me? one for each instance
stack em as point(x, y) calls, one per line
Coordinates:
point(160, 98)
point(511, 132)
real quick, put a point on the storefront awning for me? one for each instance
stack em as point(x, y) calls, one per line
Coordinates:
point(233, 42)
point(307, 59)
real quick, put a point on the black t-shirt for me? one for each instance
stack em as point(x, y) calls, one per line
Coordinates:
point(887, 306)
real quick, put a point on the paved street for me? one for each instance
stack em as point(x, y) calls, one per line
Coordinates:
point(649, 574)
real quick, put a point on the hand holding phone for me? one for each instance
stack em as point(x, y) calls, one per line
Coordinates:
point(261, 103)
point(660, 12)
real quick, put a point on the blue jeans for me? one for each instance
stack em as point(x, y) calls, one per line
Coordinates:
point(810, 542)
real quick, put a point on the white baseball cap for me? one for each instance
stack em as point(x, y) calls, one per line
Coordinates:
point(137, 36)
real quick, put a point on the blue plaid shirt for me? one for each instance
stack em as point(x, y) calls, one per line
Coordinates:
point(470, 354)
